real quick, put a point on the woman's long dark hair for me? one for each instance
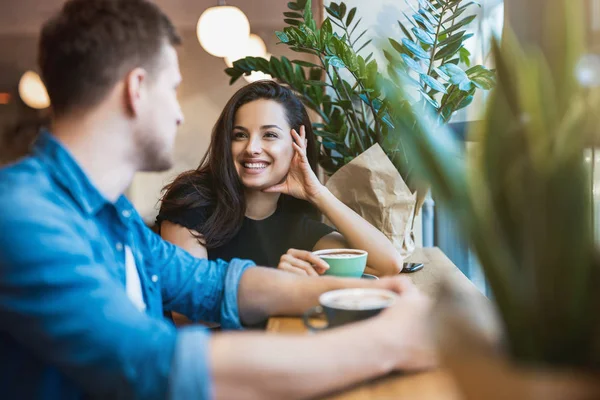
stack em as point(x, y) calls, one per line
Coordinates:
point(215, 184)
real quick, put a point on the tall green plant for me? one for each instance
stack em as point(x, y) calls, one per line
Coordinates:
point(524, 203)
point(342, 87)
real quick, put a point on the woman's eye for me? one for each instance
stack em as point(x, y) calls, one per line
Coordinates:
point(239, 135)
point(271, 135)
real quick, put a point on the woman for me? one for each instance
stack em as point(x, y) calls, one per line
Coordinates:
point(255, 194)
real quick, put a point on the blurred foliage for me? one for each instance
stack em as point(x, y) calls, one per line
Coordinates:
point(525, 203)
point(342, 87)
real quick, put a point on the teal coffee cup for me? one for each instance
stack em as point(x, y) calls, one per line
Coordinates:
point(349, 263)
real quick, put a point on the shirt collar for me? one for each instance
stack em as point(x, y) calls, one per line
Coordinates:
point(68, 173)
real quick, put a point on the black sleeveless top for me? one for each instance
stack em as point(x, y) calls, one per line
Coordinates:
point(263, 241)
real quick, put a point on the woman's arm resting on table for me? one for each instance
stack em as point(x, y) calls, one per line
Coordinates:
point(383, 259)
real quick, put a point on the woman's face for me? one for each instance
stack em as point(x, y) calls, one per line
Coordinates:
point(261, 144)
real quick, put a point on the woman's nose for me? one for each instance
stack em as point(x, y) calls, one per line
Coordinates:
point(254, 146)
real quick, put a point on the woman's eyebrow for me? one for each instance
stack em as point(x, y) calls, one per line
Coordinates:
point(270, 126)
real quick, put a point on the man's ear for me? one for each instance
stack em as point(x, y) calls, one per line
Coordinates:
point(134, 86)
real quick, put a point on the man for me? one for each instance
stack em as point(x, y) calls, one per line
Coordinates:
point(83, 282)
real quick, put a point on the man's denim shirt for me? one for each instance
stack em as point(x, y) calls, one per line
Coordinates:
point(68, 330)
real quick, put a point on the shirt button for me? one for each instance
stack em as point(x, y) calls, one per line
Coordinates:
point(119, 246)
point(126, 213)
point(154, 278)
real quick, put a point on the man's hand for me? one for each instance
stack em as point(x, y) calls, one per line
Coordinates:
point(407, 325)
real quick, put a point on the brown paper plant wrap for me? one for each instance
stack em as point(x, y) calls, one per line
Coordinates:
point(373, 188)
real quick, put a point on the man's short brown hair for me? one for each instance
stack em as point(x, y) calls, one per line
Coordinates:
point(90, 44)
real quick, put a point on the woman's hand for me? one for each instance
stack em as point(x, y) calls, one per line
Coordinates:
point(301, 181)
point(302, 262)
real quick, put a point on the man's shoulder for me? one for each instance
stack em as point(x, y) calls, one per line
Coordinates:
point(26, 173)
point(26, 188)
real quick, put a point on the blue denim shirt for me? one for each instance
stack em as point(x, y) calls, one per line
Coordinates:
point(67, 327)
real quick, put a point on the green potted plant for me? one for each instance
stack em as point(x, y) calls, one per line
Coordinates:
point(341, 85)
point(524, 203)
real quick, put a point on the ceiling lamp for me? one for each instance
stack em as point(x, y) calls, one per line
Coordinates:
point(32, 91)
point(223, 30)
point(257, 76)
point(255, 47)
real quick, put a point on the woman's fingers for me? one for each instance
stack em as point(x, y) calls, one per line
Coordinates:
point(317, 263)
point(284, 266)
point(300, 139)
point(299, 263)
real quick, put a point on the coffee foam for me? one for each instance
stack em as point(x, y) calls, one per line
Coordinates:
point(340, 253)
point(358, 299)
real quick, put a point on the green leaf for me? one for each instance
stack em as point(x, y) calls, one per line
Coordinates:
point(406, 32)
point(335, 61)
point(464, 102)
point(332, 12)
point(431, 101)
point(316, 83)
point(364, 45)
point(372, 72)
point(359, 36)
point(342, 10)
point(452, 38)
point(355, 26)
point(460, 24)
point(308, 16)
point(315, 74)
point(412, 64)
point(423, 36)
point(442, 74)
point(460, 10)
point(350, 16)
point(482, 77)
point(293, 22)
point(293, 6)
point(368, 57)
point(432, 83)
point(388, 56)
point(282, 36)
point(306, 64)
point(430, 18)
point(300, 75)
point(304, 50)
point(424, 23)
point(448, 51)
point(454, 15)
point(415, 49)
point(465, 56)
point(457, 75)
point(397, 46)
point(326, 27)
point(292, 15)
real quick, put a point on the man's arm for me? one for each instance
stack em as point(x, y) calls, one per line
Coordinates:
point(257, 366)
point(200, 289)
point(267, 292)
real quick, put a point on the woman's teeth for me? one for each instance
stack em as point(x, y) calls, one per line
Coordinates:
point(256, 165)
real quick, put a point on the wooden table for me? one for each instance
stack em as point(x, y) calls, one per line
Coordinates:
point(435, 385)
